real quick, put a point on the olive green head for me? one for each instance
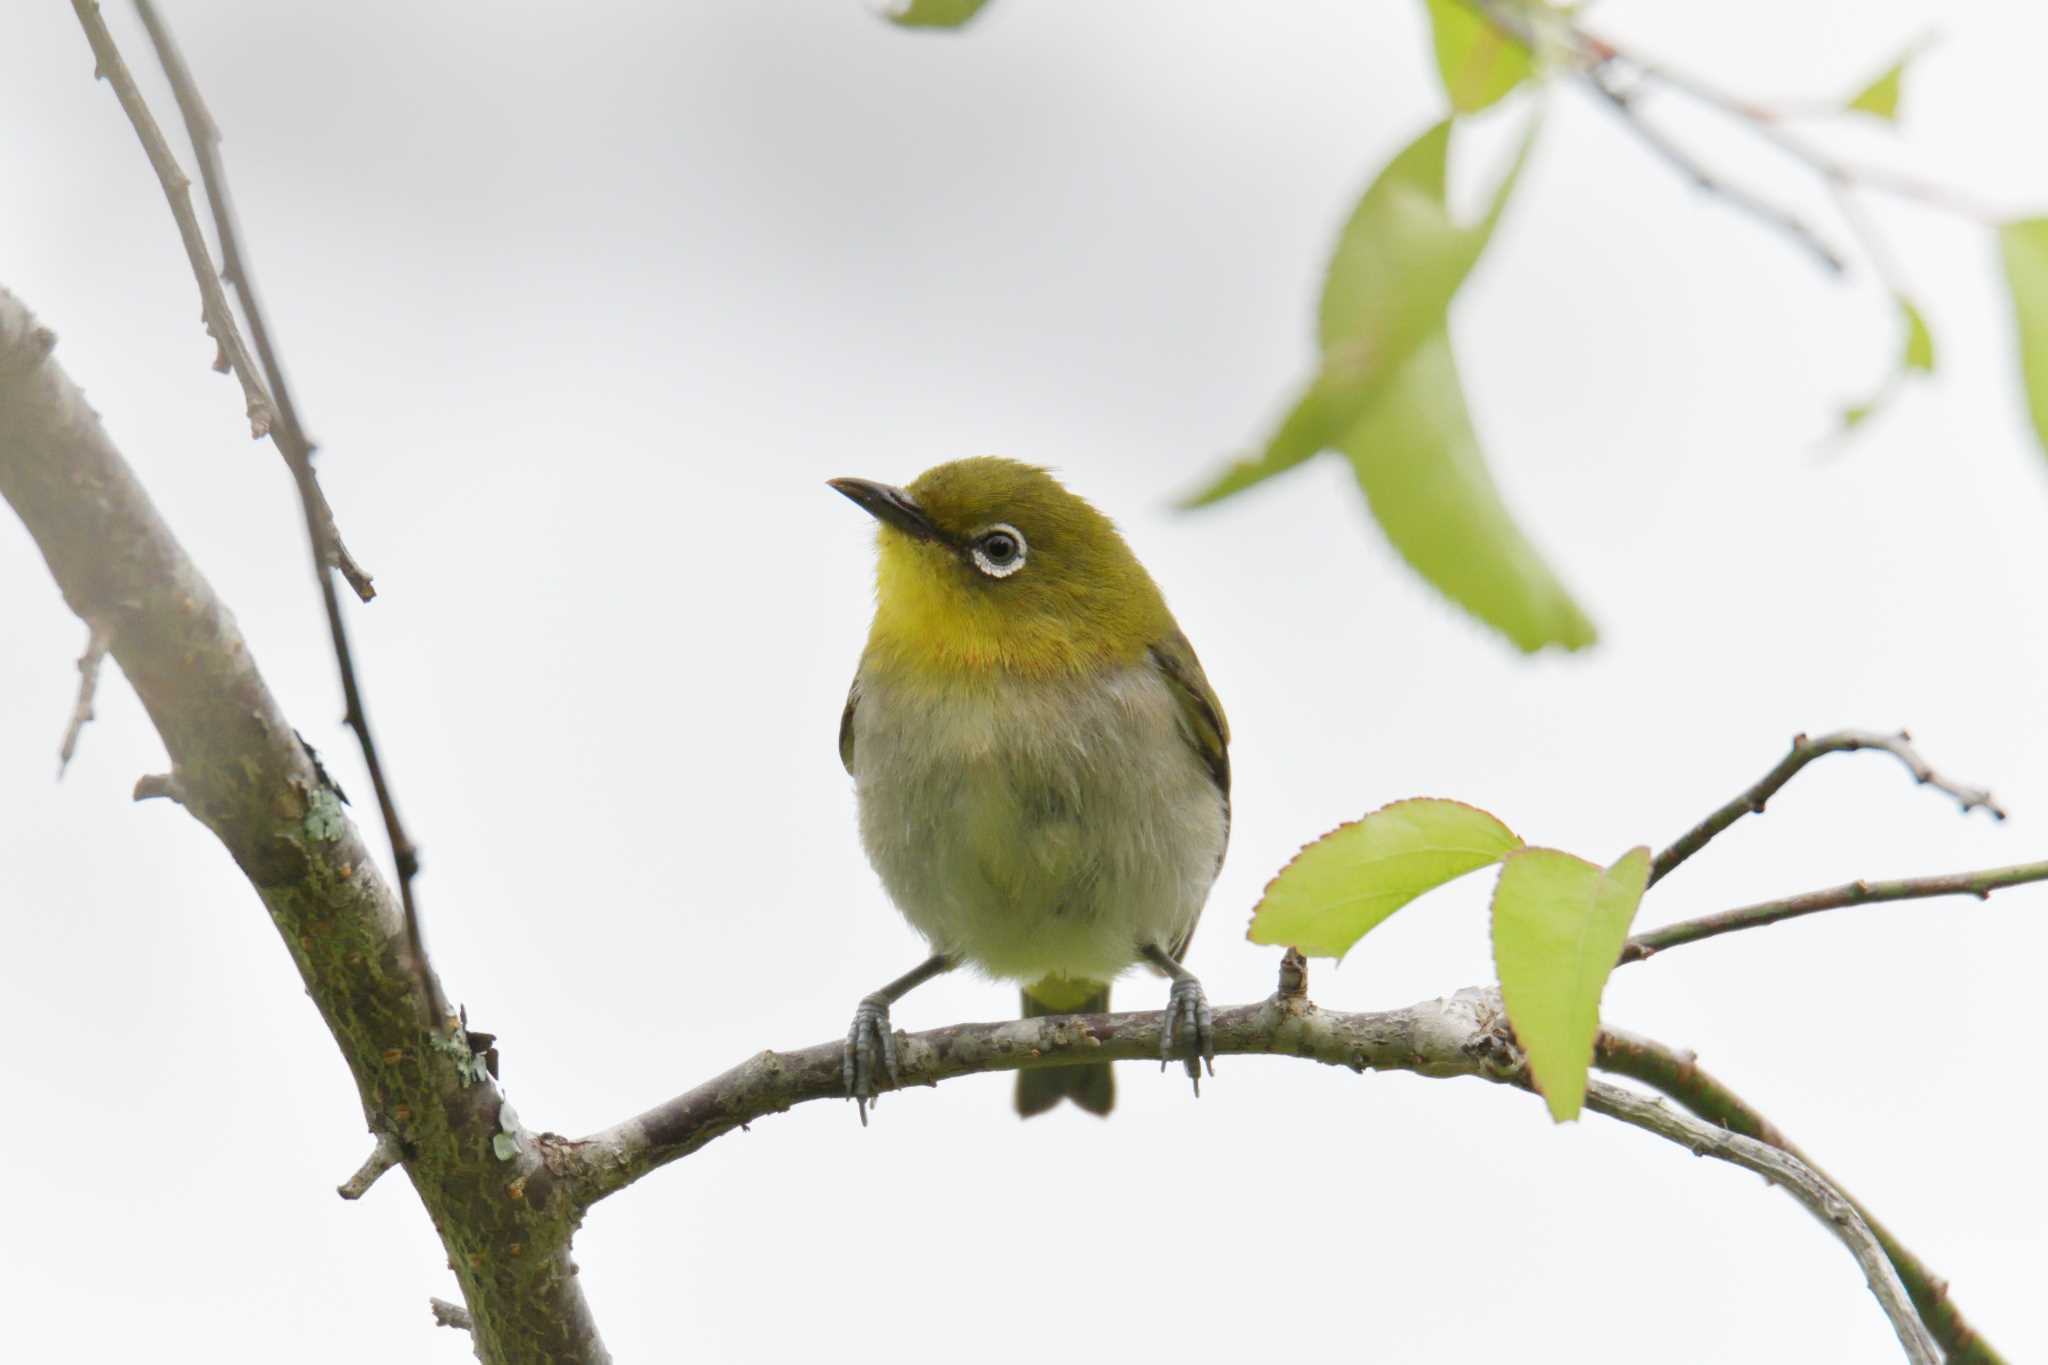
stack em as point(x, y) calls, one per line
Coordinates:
point(989, 563)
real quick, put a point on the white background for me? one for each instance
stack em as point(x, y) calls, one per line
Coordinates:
point(584, 302)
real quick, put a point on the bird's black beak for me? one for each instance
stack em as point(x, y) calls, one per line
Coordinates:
point(889, 505)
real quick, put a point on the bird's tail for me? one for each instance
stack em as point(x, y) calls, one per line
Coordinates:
point(1092, 1086)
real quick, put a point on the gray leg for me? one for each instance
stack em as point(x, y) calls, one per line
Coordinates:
point(871, 1043)
point(1189, 1021)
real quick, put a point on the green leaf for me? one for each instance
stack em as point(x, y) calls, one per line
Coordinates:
point(1398, 263)
point(1881, 96)
point(1916, 353)
point(504, 1146)
point(1402, 256)
point(1348, 882)
point(1919, 341)
point(2024, 245)
point(932, 13)
point(1478, 63)
point(1418, 460)
point(1559, 924)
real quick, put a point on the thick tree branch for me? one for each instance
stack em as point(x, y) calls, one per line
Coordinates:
point(1780, 1167)
point(1679, 1075)
point(241, 771)
point(1804, 751)
point(1980, 884)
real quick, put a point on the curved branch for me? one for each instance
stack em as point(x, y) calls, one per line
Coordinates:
point(239, 768)
point(1803, 752)
point(1465, 1035)
point(1780, 1167)
point(1679, 1075)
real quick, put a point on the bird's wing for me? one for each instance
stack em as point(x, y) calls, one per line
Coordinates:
point(846, 724)
point(1202, 719)
point(1204, 725)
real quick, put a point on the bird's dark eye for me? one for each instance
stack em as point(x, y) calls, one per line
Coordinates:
point(999, 551)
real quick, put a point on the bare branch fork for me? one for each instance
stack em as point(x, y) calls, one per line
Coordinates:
point(1618, 78)
point(265, 405)
point(278, 415)
point(1804, 751)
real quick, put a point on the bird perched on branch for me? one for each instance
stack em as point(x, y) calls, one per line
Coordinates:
point(1042, 769)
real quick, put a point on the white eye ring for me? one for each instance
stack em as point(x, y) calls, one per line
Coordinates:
point(998, 565)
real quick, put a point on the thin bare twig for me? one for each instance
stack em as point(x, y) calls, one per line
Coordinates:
point(1827, 1204)
point(1678, 1074)
point(386, 1154)
point(98, 639)
point(1769, 125)
point(1803, 752)
point(230, 352)
point(290, 436)
point(1594, 63)
point(1623, 102)
point(326, 546)
point(1979, 884)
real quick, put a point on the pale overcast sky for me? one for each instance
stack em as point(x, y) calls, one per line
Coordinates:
point(584, 302)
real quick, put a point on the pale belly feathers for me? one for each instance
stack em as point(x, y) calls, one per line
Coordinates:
point(1036, 827)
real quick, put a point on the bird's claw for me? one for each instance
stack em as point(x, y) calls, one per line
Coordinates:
point(1190, 1025)
point(870, 1054)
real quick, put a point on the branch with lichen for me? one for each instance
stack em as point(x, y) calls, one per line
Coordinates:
point(240, 770)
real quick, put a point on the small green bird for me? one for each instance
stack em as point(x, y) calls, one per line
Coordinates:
point(1042, 770)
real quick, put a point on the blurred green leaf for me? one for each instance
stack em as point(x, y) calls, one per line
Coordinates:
point(1559, 923)
point(1402, 256)
point(1398, 263)
point(1881, 96)
point(1919, 341)
point(1478, 63)
point(932, 13)
point(1916, 354)
point(1418, 460)
point(1348, 882)
point(2024, 245)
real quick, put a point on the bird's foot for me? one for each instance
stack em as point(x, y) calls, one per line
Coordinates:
point(870, 1054)
point(1190, 1026)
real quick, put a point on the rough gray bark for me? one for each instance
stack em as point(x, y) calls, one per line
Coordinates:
point(239, 768)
